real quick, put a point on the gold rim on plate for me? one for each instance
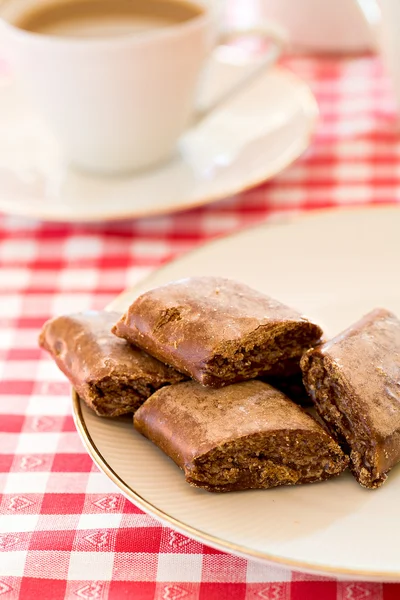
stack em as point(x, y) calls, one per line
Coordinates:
point(193, 532)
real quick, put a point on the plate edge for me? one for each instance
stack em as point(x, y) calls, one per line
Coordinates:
point(203, 537)
point(280, 219)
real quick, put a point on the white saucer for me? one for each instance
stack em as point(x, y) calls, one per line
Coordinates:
point(251, 139)
point(334, 266)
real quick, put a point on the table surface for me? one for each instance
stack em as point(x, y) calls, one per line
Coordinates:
point(65, 531)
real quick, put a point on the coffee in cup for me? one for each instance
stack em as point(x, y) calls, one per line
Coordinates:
point(116, 80)
point(105, 18)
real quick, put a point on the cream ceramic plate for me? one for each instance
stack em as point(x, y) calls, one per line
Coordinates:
point(335, 267)
point(254, 137)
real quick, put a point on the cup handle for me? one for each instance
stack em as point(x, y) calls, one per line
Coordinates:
point(270, 32)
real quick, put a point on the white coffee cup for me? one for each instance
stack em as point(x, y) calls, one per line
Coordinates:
point(321, 25)
point(118, 103)
point(383, 18)
point(387, 31)
point(341, 26)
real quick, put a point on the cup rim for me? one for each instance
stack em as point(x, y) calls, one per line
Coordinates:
point(145, 37)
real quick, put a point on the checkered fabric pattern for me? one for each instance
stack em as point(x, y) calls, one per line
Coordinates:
point(65, 531)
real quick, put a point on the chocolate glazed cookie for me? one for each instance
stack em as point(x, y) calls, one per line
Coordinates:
point(218, 331)
point(354, 381)
point(243, 436)
point(110, 375)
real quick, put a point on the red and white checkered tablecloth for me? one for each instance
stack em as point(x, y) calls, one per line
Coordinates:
point(65, 531)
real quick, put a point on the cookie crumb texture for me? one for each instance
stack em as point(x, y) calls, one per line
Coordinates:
point(218, 331)
point(244, 436)
point(354, 381)
point(112, 396)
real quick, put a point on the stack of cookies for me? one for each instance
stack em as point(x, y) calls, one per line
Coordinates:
point(203, 364)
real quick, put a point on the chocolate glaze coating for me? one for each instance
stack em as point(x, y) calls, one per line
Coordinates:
point(354, 380)
point(109, 374)
point(246, 435)
point(217, 331)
